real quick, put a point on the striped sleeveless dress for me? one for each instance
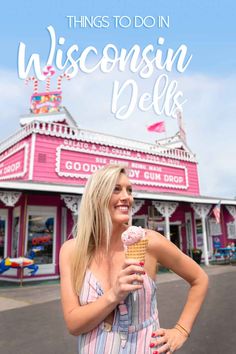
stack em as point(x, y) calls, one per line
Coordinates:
point(133, 324)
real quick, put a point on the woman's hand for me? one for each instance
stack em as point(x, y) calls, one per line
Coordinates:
point(128, 280)
point(167, 340)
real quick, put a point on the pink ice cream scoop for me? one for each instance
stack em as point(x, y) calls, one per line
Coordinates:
point(132, 235)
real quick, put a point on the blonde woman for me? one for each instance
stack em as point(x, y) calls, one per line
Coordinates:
point(97, 282)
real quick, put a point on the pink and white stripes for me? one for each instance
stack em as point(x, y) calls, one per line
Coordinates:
point(133, 324)
point(36, 83)
point(60, 78)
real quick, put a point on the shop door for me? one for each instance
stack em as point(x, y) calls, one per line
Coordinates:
point(174, 235)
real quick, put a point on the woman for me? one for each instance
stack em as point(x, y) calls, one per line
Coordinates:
point(97, 282)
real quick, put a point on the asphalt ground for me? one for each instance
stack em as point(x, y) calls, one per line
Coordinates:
point(31, 320)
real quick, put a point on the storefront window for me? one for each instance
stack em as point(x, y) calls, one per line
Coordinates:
point(199, 234)
point(231, 230)
point(3, 230)
point(189, 232)
point(15, 235)
point(139, 221)
point(41, 236)
point(214, 227)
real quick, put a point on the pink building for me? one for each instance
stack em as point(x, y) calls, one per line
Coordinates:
point(43, 170)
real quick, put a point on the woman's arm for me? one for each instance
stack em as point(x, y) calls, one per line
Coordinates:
point(81, 319)
point(171, 257)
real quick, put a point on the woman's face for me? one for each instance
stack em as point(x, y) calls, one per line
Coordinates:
point(121, 200)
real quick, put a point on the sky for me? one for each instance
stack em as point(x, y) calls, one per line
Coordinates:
point(207, 84)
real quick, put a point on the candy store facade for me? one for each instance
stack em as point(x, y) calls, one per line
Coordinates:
point(45, 165)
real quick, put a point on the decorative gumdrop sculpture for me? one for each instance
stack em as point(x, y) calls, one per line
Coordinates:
point(47, 101)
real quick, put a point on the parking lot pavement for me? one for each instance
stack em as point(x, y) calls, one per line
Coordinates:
point(21, 296)
point(40, 328)
point(15, 296)
point(210, 270)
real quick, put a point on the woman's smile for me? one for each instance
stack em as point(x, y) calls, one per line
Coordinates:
point(121, 200)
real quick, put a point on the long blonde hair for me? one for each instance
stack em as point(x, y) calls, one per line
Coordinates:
point(94, 222)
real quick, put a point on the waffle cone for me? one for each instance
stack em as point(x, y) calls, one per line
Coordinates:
point(137, 250)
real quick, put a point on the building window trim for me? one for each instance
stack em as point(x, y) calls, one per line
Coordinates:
point(4, 217)
point(33, 210)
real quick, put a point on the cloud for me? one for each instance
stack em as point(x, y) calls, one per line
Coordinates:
point(210, 119)
point(209, 116)
point(14, 101)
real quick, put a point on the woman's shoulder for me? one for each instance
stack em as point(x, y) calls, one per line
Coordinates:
point(153, 249)
point(156, 241)
point(67, 248)
point(153, 236)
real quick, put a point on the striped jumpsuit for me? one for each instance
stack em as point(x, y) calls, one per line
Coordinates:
point(133, 324)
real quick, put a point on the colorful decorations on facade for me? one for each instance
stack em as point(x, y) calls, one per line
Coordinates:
point(47, 101)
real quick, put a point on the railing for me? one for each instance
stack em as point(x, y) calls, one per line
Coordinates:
point(14, 138)
point(54, 129)
point(69, 132)
point(46, 128)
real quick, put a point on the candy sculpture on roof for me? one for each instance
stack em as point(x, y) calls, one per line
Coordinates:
point(48, 72)
point(36, 83)
point(59, 80)
point(47, 101)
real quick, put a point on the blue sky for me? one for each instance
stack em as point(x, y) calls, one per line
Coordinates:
point(206, 28)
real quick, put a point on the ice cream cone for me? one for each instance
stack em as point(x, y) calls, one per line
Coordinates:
point(135, 245)
point(137, 250)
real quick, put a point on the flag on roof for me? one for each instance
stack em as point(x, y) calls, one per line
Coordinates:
point(158, 127)
point(216, 212)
